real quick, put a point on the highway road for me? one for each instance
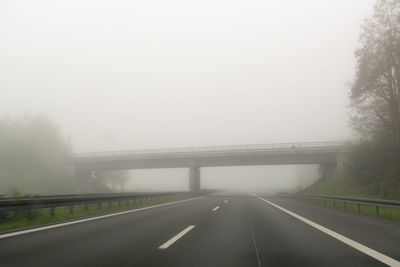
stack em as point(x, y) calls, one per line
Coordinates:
point(228, 229)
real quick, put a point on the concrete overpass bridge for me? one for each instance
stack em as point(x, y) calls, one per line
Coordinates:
point(329, 155)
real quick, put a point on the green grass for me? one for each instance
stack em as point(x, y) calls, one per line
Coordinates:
point(341, 185)
point(384, 212)
point(337, 186)
point(43, 216)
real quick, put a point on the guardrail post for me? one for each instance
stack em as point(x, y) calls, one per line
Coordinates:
point(99, 205)
point(52, 212)
point(377, 203)
point(29, 214)
point(109, 204)
point(3, 216)
point(119, 203)
point(71, 209)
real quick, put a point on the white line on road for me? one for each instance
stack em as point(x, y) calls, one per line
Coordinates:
point(214, 209)
point(90, 219)
point(373, 253)
point(225, 201)
point(175, 238)
point(254, 240)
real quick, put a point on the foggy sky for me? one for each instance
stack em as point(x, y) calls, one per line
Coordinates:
point(119, 75)
point(143, 74)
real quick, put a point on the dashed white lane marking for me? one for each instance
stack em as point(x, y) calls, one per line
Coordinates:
point(214, 209)
point(175, 238)
point(364, 249)
point(89, 219)
point(225, 201)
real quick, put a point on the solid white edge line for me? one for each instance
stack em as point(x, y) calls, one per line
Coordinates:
point(175, 238)
point(37, 229)
point(214, 209)
point(364, 249)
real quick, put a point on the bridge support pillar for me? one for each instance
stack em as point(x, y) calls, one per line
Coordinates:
point(194, 179)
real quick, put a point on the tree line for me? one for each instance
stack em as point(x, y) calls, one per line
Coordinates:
point(35, 158)
point(374, 164)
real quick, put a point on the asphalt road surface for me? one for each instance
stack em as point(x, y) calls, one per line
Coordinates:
point(227, 229)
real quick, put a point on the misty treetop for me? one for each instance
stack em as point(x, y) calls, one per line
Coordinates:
point(34, 157)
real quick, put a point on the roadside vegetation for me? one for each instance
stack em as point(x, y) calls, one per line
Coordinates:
point(21, 219)
point(36, 159)
point(372, 168)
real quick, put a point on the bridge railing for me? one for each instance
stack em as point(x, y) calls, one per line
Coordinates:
point(377, 203)
point(228, 148)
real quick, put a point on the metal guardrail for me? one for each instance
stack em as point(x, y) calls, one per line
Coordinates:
point(229, 148)
point(14, 205)
point(359, 201)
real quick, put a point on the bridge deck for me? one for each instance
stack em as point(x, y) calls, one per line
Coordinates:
point(263, 154)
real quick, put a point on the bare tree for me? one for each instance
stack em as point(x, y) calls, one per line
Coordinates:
point(115, 179)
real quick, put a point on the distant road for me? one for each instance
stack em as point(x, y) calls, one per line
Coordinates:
point(216, 230)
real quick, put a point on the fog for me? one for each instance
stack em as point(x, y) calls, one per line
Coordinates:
point(269, 179)
point(122, 75)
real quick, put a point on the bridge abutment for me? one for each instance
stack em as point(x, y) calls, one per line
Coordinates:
point(84, 178)
point(341, 159)
point(194, 179)
point(327, 169)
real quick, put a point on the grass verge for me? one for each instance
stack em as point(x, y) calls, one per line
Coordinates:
point(369, 210)
point(13, 221)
